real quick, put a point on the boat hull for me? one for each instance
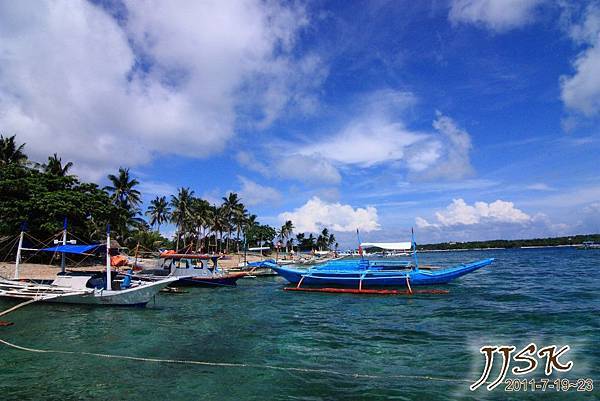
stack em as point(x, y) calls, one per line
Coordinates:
point(229, 280)
point(377, 278)
point(138, 296)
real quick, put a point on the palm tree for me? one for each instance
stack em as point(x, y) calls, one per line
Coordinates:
point(301, 241)
point(159, 211)
point(10, 153)
point(250, 228)
point(200, 219)
point(230, 203)
point(239, 220)
point(286, 231)
point(55, 166)
point(181, 214)
point(310, 241)
point(290, 244)
point(323, 239)
point(331, 241)
point(123, 192)
point(219, 223)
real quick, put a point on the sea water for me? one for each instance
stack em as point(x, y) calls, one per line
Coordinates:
point(338, 346)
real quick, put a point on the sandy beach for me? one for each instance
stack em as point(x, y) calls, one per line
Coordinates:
point(31, 271)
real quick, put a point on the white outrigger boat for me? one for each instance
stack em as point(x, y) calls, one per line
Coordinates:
point(88, 289)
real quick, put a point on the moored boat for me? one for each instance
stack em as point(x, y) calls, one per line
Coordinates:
point(192, 270)
point(88, 289)
point(364, 273)
point(361, 273)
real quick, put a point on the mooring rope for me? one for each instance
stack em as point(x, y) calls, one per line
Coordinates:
point(221, 364)
point(237, 365)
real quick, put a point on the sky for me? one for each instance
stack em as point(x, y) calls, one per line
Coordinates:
point(465, 119)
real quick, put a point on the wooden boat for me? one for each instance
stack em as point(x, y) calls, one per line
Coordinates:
point(362, 273)
point(85, 289)
point(191, 270)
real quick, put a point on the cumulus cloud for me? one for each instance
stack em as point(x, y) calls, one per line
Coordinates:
point(252, 193)
point(497, 15)
point(376, 135)
point(366, 142)
point(165, 78)
point(581, 91)
point(316, 214)
point(307, 169)
point(461, 213)
point(453, 160)
point(376, 139)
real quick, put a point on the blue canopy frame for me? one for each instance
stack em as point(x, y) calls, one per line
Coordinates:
point(75, 249)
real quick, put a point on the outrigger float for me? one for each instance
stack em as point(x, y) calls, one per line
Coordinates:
point(364, 276)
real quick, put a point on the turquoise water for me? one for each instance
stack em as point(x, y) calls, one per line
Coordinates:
point(544, 296)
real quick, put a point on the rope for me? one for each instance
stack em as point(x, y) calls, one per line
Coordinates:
point(237, 365)
point(216, 364)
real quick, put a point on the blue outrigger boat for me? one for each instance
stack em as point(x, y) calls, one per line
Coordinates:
point(360, 273)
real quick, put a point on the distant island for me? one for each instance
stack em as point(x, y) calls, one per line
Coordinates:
point(516, 243)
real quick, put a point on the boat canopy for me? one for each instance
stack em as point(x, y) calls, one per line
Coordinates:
point(390, 246)
point(68, 248)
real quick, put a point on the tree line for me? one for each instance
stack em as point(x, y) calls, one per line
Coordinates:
point(517, 243)
point(43, 194)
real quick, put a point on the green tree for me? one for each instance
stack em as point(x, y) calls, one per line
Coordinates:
point(10, 153)
point(159, 211)
point(123, 189)
point(230, 204)
point(239, 221)
point(55, 167)
point(182, 212)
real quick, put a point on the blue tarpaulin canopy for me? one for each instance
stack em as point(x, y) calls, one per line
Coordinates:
point(77, 249)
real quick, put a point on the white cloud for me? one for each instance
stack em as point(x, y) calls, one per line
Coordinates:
point(153, 188)
point(171, 78)
point(307, 169)
point(539, 186)
point(316, 214)
point(587, 30)
point(252, 193)
point(461, 213)
point(249, 161)
point(454, 160)
point(497, 15)
point(376, 135)
point(366, 142)
point(376, 139)
point(277, 163)
point(581, 91)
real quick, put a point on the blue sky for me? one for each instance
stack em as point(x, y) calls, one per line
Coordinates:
point(467, 119)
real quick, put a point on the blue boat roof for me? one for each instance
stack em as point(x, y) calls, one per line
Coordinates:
point(76, 249)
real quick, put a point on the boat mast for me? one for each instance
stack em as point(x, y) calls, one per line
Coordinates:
point(19, 253)
point(414, 246)
point(108, 275)
point(64, 242)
